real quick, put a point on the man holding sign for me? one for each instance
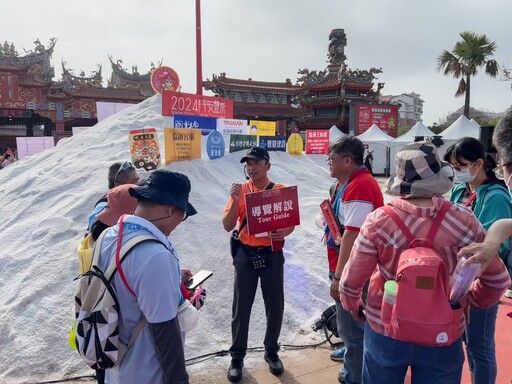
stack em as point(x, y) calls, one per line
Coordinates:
point(258, 256)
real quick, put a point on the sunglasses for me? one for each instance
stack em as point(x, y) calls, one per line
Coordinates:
point(126, 165)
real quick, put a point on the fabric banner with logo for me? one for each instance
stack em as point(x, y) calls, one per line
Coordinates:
point(182, 144)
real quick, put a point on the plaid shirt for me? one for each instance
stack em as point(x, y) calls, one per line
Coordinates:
point(380, 242)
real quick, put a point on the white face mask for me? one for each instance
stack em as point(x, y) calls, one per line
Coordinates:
point(464, 176)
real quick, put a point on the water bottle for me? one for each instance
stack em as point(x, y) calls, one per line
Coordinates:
point(461, 280)
point(388, 300)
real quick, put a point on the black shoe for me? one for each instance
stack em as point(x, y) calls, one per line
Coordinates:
point(235, 371)
point(275, 365)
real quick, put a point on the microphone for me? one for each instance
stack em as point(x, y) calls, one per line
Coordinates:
point(245, 172)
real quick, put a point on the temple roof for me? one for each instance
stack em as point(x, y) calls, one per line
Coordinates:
point(223, 83)
point(334, 76)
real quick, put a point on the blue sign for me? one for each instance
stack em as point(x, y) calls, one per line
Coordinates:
point(207, 124)
point(273, 143)
point(215, 146)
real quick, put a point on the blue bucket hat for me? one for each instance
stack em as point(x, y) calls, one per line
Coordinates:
point(166, 188)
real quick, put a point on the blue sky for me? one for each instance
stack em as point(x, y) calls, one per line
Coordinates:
point(272, 39)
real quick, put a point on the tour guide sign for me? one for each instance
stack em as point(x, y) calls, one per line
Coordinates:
point(272, 209)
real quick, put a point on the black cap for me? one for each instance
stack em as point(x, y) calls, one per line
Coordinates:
point(256, 153)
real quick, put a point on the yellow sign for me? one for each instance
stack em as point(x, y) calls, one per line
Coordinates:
point(182, 144)
point(295, 145)
point(262, 128)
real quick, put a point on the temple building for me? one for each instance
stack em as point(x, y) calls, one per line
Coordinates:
point(33, 104)
point(318, 100)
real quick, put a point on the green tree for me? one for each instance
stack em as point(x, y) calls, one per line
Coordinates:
point(465, 59)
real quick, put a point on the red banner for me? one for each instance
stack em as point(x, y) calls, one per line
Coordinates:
point(198, 105)
point(272, 209)
point(385, 116)
point(317, 142)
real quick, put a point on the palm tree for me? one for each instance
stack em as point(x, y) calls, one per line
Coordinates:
point(465, 59)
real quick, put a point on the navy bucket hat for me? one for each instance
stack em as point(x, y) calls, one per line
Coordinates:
point(166, 188)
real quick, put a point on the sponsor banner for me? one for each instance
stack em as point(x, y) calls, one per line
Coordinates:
point(241, 142)
point(385, 116)
point(232, 127)
point(144, 148)
point(189, 104)
point(262, 128)
point(272, 209)
point(295, 145)
point(206, 124)
point(273, 143)
point(215, 146)
point(317, 142)
point(182, 144)
point(165, 78)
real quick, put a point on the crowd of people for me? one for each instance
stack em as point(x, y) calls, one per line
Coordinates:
point(379, 344)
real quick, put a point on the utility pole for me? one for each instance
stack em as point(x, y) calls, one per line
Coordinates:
point(199, 60)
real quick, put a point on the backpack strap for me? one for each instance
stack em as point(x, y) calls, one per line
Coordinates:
point(433, 230)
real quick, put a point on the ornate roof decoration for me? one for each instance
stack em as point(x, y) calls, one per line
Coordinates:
point(35, 61)
point(338, 41)
point(222, 83)
point(95, 80)
point(122, 79)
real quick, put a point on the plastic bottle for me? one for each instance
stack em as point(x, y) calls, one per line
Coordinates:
point(388, 300)
point(461, 280)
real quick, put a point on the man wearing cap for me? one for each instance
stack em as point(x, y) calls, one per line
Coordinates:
point(247, 274)
point(152, 272)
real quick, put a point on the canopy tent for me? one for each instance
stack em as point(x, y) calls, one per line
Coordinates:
point(460, 128)
point(397, 144)
point(474, 122)
point(335, 134)
point(377, 140)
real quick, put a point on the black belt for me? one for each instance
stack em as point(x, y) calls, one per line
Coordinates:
point(257, 249)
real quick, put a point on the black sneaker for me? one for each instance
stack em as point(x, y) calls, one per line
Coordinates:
point(275, 365)
point(235, 371)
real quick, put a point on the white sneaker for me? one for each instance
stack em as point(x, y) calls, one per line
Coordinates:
point(508, 293)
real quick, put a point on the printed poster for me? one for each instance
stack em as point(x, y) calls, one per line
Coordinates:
point(317, 142)
point(262, 128)
point(241, 142)
point(182, 144)
point(144, 148)
point(295, 144)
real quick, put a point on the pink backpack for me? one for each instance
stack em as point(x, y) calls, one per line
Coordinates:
point(422, 313)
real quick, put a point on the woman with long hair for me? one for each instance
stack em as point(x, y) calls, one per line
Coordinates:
point(481, 191)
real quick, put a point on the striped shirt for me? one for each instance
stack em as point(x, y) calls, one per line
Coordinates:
point(380, 242)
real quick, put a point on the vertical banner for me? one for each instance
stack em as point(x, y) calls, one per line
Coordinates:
point(295, 145)
point(215, 146)
point(241, 142)
point(206, 124)
point(144, 148)
point(27, 146)
point(182, 144)
point(262, 128)
point(317, 142)
point(232, 127)
point(273, 143)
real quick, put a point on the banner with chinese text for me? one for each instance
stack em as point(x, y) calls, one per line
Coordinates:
point(232, 126)
point(317, 142)
point(262, 128)
point(182, 144)
point(198, 105)
point(273, 143)
point(144, 148)
point(241, 142)
point(206, 124)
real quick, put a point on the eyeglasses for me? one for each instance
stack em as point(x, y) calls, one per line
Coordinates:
point(498, 171)
point(185, 214)
point(126, 165)
point(463, 166)
point(331, 158)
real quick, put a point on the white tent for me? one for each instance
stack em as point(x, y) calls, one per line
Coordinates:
point(397, 144)
point(377, 140)
point(474, 122)
point(335, 134)
point(460, 128)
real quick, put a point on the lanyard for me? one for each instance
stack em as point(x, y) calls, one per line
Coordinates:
point(470, 200)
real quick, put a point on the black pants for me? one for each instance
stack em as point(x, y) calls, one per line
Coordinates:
point(246, 283)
